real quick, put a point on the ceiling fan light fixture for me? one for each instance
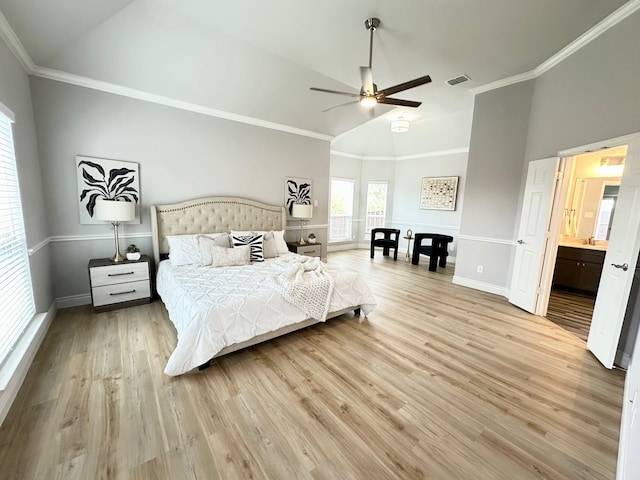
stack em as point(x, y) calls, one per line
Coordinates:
point(400, 126)
point(368, 101)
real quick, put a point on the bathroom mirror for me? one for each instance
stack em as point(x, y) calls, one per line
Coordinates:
point(594, 205)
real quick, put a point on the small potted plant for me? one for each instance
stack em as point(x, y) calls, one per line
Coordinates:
point(133, 252)
point(311, 238)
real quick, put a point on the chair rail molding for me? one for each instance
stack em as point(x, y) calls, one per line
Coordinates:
point(501, 241)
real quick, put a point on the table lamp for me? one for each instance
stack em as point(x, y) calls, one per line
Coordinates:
point(304, 213)
point(115, 212)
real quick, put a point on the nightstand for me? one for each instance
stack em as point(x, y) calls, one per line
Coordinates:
point(308, 249)
point(118, 285)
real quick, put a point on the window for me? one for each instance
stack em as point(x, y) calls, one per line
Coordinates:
point(376, 205)
point(17, 306)
point(605, 214)
point(341, 215)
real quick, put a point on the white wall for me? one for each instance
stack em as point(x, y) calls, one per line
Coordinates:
point(182, 155)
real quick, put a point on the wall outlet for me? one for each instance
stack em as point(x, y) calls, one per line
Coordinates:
point(480, 269)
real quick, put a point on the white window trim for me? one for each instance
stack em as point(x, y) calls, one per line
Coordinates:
point(10, 355)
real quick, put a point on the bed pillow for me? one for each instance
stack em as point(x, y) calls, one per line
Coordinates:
point(205, 242)
point(255, 241)
point(230, 257)
point(281, 244)
point(269, 246)
point(186, 249)
point(183, 249)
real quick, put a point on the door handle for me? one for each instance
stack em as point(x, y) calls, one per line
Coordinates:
point(624, 266)
point(520, 242)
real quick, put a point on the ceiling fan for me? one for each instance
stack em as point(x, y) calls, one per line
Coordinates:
point(369, 94)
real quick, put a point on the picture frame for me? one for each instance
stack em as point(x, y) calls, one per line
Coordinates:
point(438, 193)
point(297, 190)
point(103, 178)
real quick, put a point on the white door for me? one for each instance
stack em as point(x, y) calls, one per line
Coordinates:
point(532, 234)
point(629, 446)
point(619, 263)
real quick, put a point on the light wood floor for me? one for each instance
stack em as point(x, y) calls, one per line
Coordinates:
point(440, 382)
point(571, 311)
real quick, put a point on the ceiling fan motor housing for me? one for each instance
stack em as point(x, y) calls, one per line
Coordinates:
point(372, 23)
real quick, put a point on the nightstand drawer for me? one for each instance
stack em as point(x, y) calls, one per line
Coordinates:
point(115, 274)
point(309, 250)
point(122, 292)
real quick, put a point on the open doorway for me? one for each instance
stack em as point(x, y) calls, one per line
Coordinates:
point(592, 189)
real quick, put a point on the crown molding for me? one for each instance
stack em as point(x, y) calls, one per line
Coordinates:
point(594, 32)
point(123, 91)
point(18, 50)
point(439, 153)
point(15, 45)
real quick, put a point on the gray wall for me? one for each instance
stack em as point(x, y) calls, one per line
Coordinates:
point(592, 95)
point(15, 94)
point(182, 155)
point(407, 213)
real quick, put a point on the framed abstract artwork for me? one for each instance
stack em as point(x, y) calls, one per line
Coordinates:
point(111, 179)
point(438, 193)
point(296, 190)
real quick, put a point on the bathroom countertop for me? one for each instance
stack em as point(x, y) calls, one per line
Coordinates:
point(582, 244)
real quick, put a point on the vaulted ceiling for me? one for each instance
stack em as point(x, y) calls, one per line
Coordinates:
point(258, 58)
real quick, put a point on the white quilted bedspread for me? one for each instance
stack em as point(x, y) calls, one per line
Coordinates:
point(213, 308)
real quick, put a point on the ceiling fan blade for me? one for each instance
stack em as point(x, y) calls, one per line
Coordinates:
point(405, 86)
point(354, 95)
point(341, 105)
point(367, 80)
point(400, 102)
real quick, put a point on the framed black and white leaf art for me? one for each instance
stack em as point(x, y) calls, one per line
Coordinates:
point(296, 190)
point(111, 179)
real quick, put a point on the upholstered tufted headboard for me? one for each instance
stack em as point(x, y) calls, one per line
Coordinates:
point(211, 215)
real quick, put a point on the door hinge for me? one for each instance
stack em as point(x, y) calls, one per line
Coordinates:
point(559, 175)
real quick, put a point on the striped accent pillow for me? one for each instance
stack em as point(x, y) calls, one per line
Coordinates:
point(254, 241)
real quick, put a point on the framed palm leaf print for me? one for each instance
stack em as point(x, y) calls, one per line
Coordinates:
point(103, 178)
point(296, 190)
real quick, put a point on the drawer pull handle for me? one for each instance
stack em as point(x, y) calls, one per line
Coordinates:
point(123, 293)
point(624, 266)
point(119, 274)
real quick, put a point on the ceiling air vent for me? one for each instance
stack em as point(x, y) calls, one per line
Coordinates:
point(457, 80)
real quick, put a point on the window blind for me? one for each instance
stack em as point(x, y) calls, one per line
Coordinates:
point(17, 306)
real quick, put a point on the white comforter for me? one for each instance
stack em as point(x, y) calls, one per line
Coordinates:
point(213, 308)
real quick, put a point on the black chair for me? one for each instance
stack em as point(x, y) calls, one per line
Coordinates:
point(437, 251)
point(386, 241)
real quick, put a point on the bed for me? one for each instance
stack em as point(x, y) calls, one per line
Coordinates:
point(219, 310)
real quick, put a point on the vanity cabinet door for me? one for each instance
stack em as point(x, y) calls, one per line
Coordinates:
point(566, 273)
point(578, 269)
point(589, 277)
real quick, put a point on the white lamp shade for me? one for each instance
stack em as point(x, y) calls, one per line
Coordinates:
point(302, 211)
point(114, 211)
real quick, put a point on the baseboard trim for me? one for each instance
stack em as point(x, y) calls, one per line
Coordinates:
point(74, 300)
point(26, 351)
point(485, 287)
point(341, 246)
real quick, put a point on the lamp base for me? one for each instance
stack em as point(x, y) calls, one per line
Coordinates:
point(118, 258)
point(302, 242)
